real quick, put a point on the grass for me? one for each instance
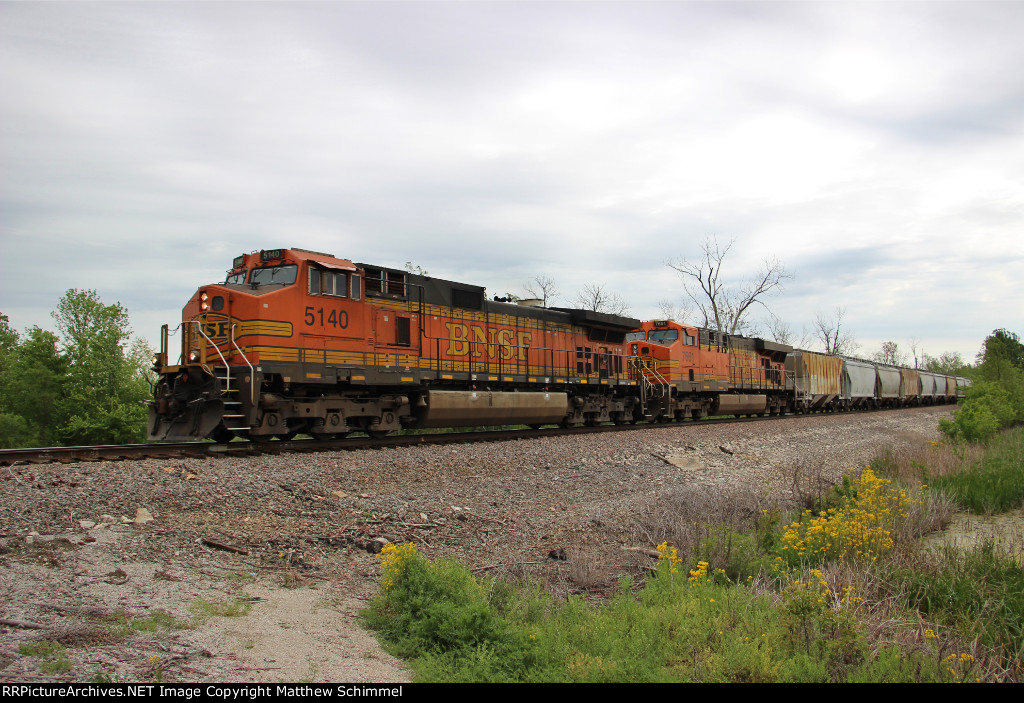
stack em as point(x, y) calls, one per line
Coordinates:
point(839, 591)
point(983, 479)
point(54, 656)
point(155, 621)
point(235, 607)
point(693, 625)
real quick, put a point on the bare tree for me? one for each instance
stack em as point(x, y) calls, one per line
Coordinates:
point(543, 288)
point(780, 331)
point(669, 310)
point(890, 354)
point(830, 332)
point(596, 297)
point(723, 305)
point(914, 345)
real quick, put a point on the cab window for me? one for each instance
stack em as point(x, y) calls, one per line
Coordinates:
point(635, 336)
point(664, 337)
point(278, 275)
point(236, 277)
point(323, 282)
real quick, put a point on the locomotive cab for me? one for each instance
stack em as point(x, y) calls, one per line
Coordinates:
point(237, 339)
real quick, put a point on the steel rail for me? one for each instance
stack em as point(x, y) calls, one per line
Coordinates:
point(168, 450)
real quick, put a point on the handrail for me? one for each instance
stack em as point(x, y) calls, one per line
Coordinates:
point(202, 360)
point(644, 373)
point(252, 371)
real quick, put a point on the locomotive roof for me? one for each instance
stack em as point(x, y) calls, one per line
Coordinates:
point(438, 291)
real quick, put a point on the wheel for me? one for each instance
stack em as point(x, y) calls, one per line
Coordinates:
point(287, 435)
point(535, 425)
point(378, 434)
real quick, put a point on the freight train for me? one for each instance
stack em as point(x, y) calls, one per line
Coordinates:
point(296, 341)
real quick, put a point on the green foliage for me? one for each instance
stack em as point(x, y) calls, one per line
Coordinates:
point(986, 409)
point(996, 399)
point(156, 621)
point(946, 363)
point(54, 656)
point(235, 607)
point(993, 484)
point(682, 626)
point(979, 592)
point(102, 401)
point(738, 555)
point(1002, 345)
point(31, 386)
point(15, 432)
point(87, 386)
point(862, 526)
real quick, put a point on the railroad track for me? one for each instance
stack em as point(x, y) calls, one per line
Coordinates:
point(169, 450)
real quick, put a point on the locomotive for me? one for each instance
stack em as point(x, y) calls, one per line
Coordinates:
point(301, 341)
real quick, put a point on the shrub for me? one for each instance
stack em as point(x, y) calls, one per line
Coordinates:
point(987, 408)
point(861, 527)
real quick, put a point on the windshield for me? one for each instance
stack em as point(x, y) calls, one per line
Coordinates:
point(280, 275)
point(635, 336)
point(663, 336)
point(236, 277)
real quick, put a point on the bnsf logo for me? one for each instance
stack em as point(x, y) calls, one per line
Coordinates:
point(216, 327)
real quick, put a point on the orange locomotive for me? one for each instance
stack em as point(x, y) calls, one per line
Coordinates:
point(693, 372)
point(300, 341)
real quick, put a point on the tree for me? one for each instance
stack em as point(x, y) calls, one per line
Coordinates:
point(31, 387)
point(596, 297)
point(1002, 345)
point(104, 391)
point(829, 330)
point(542, 288)
point(890, 354)
point(724, 305)
point(668, 310)
point(914, 345)
point(996, 398)
point(948, 363)
point(780, 331)
point(8, 339)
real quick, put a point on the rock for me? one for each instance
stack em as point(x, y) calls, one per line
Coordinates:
point(142, 516)
point(86, 524)
point(374, 546)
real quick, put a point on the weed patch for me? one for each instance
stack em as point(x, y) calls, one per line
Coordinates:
point(53, 655)
point(235, 607)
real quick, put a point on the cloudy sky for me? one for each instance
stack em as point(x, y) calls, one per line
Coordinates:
point(875, 149)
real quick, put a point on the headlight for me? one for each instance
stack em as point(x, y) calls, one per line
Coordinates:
point(194, 357)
